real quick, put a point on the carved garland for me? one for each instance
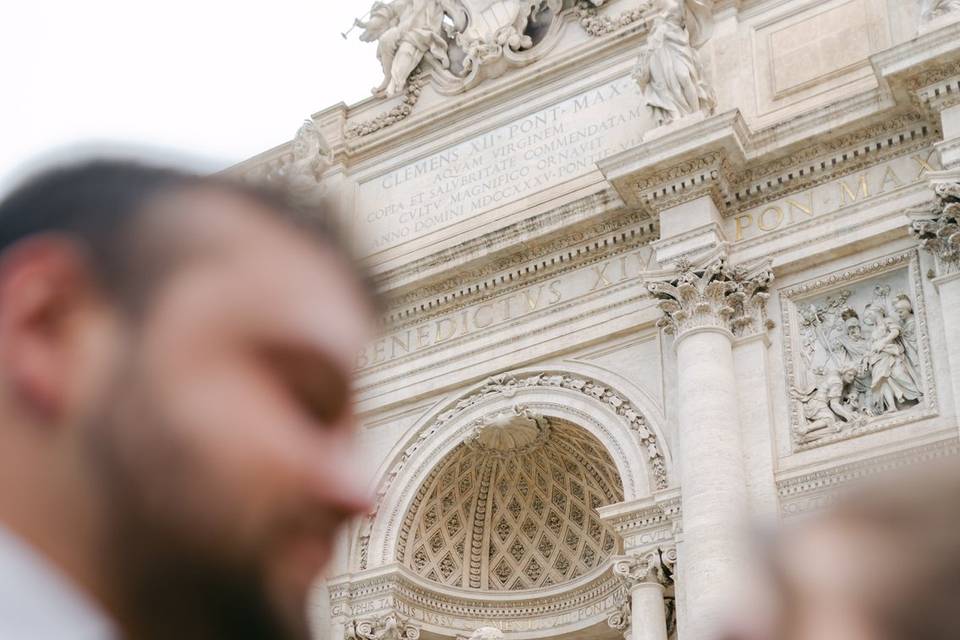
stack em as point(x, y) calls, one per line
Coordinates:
point(598, 26)
point(400, 112)
point(928, 405)
point(507, 385)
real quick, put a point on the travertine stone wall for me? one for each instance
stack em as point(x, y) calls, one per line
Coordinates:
point(540, 219)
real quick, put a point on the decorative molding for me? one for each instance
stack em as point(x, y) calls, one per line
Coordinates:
point(715, 295)
point(459, 612)
point(936, 225)
point(397, 113)
point(647, 525)
point(597, 25)
point(496, 276)
point(507, 386)
point(866, 422)
point(811, 491)
point(387, 627)
point(938, 88)
point(656, 567)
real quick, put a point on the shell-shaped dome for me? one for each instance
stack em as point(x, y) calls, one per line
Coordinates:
point(513, 507)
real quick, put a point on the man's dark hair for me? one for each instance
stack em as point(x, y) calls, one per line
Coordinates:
point(102, 203)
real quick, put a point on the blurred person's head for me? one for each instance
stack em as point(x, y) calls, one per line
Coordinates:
point(882, 564)
point(176, 355)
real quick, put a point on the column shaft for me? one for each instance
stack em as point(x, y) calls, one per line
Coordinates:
point(756, 417)
point(713, 482)
point(648, 612)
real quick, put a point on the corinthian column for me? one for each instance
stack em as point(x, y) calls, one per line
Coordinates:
point(704, 307)
point(646, 578)
point(937, 227)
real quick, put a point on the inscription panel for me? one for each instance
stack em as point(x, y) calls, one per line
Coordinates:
point(833, 196)
point(478, 318)
point(513, 161)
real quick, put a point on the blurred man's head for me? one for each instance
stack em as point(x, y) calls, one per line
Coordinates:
point(176, 356)
point(883, 564)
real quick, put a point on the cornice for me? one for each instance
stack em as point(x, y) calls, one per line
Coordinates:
point(807, 491)
point(723, 157)
point(396, 589)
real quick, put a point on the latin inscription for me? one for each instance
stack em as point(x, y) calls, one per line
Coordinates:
point(507, 308)
point(834, 196)
point(508, 163)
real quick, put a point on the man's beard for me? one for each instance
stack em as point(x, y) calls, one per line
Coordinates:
point(166, 579)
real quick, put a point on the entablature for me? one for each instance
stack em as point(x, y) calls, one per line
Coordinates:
point(394, 589)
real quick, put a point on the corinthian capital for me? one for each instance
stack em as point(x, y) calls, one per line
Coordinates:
point(387, 627)
point(937, 225)
point(655, 567)
point(716, 294)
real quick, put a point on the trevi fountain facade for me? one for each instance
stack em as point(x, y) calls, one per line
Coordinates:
point(652, 269)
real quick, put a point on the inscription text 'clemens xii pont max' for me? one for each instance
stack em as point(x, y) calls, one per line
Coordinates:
point(530, 154)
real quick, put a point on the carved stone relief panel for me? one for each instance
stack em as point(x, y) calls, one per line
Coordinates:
point(856, 352)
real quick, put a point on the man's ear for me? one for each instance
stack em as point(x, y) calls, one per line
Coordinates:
point(48, 298)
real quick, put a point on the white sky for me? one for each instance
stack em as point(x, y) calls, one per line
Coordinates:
point(214, 80)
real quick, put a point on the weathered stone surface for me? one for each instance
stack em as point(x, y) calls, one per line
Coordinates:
point(585, 355)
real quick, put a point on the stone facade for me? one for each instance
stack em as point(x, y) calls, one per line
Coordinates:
point(654, 269)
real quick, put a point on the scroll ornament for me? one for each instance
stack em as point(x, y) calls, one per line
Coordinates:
point(388, 627)
point(937, 226)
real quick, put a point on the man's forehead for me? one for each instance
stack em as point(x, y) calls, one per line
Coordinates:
point(260, 266)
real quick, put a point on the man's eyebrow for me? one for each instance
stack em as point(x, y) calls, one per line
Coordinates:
point(313, 375)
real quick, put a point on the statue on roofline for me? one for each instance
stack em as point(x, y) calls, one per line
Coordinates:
point(669, 70)
point(405, 30)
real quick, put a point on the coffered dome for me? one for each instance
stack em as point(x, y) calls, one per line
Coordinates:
point(513, 507)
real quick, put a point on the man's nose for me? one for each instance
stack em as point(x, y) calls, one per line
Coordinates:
point(343, 479)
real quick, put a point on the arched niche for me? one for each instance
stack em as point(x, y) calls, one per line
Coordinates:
point(633, 443)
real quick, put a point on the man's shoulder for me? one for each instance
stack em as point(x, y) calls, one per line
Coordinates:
point(38, 603)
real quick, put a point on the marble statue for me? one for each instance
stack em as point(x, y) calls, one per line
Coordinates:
point(669, 70)
point(859, 364)
point(931, 9)
point(311, 156)
point(300, 170)
point(405, 31)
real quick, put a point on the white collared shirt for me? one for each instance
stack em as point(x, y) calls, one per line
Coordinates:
point(38, 603)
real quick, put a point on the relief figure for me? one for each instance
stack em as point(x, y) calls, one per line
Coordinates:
point(893, 378)
point(829, 406)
